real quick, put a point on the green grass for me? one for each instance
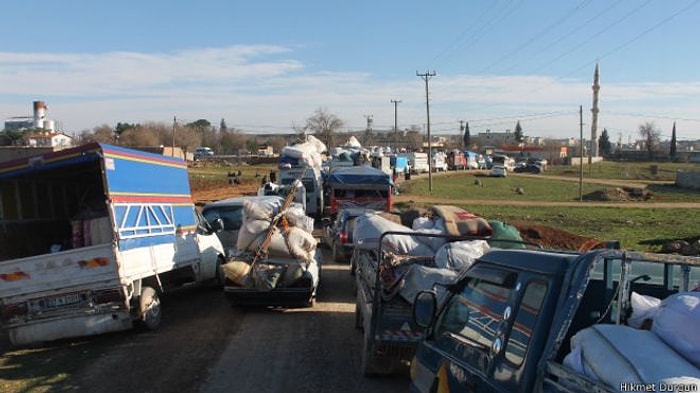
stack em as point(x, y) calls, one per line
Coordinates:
point(635, 228)
point(460, 185)
point(665, 171)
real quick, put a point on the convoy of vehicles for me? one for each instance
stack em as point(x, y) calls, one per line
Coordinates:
point(99, 231)
point(92, 235)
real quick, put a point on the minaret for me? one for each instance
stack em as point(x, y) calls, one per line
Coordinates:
point(594, 114)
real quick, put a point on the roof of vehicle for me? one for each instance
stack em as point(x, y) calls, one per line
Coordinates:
point(362, 174)
point(238, 201)
point(356, 211)
point(539, 261)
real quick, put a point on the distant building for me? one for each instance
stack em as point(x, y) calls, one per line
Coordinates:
point(48, 139)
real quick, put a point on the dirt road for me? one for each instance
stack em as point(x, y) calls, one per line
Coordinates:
point(204, 345)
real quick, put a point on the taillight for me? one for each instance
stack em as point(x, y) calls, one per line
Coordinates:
point(343, 237)
point(14, 310)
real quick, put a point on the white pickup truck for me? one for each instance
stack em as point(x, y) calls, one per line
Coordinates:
point(90, 236)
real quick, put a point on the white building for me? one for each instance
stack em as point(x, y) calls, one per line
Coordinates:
point(48, 139)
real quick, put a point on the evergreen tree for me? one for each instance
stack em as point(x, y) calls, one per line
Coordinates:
point(604, 145)
point(673, 151)
point(519, 137)
point(467, 139)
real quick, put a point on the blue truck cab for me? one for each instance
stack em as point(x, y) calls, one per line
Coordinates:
point(506, 324)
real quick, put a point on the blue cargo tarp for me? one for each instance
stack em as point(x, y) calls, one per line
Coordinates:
point(359, 175)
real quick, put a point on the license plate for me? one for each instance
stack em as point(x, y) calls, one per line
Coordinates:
point(61, 301)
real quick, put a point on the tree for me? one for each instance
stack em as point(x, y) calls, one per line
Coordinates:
point(673, 150)
point(324, 125)
point(467, 139)
point(604, 145)
point(518, 134)
point(222, 125)
point(103, 134)
point(414, 138)
point(651, 137)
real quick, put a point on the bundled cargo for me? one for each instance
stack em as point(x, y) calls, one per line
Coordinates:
point(278, 262)
point(393, 263)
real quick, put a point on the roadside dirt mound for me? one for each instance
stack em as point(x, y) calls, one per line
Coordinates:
point(548, 237)
point(619, 194)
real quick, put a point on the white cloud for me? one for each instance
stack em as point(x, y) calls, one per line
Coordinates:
point(265, 88)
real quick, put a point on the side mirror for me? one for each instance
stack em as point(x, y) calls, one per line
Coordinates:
point(424, 308)
point(217, 225)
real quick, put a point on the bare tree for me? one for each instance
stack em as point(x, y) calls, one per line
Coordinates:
point(414, 138)
point(324, 125)
point(103, 134)
point(651, 137)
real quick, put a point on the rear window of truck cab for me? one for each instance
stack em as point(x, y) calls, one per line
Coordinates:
point(493, 310)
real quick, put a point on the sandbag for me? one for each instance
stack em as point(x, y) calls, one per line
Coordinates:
point(676, 323)
point(369, 228)
point(294, 243)
point(460, 255)
point(616, 354)
point(433, 227)
point(237, 271)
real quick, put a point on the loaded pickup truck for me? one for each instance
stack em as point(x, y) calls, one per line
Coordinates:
point(551, 321)
point(89, 238)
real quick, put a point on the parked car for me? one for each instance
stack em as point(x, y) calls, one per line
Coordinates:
point(203, 152)
point(337, 234)
point(498, 171)
point(230, 211)
point(529, 168)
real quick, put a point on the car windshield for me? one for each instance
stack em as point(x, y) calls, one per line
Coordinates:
point(232, 216)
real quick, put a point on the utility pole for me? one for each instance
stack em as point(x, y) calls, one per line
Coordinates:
point(426, 77)
point(396, 129)
point(172, 152)
point(580, 171)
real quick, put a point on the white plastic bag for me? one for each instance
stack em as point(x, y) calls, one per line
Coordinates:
point(643, 307)
point(677, 323)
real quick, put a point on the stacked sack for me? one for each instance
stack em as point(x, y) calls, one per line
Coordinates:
point(448, 258)
point(290, 252)
point(668, 355)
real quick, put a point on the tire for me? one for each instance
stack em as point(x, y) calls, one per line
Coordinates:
point(219, 279)
point(358, 317)
point(367, 365)
point(149, 308)
point(336, 253)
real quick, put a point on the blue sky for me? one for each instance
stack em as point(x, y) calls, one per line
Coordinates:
point(266, 66)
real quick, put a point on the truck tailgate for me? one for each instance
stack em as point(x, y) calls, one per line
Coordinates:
point(64, 271)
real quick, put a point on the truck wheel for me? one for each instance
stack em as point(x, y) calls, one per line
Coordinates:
point(367, 365)
point(149, 308)
point(358, 317)
point(219, 279)
point(336, 253)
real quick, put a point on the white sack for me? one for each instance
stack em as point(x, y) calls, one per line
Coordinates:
point(677, 322)
point(369, 228)
point(423, 278)
point(261, 209)
point(461, 254)
point(251, 232)
point(616, 354)
point(643, 307)
point(296, 243)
